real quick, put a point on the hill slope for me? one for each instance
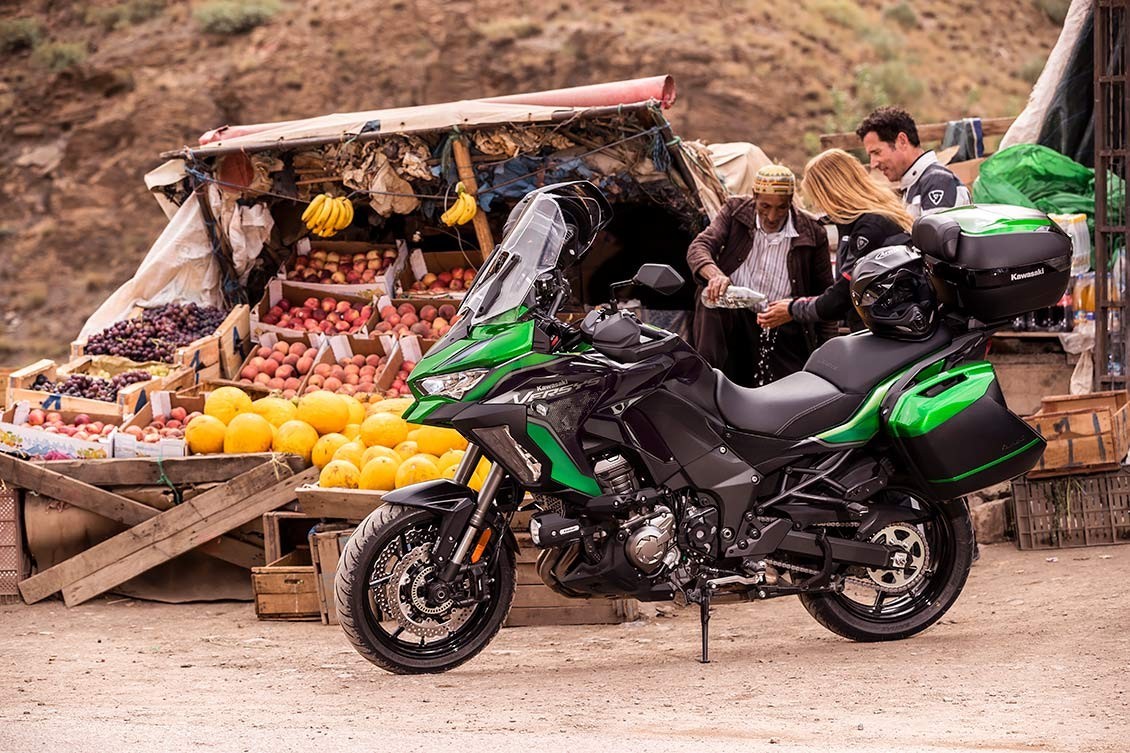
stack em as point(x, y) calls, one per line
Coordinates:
point(101, 88)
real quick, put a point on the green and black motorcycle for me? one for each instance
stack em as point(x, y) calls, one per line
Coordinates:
point(655, 477)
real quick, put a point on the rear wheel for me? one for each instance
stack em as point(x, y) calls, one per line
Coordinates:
point(889, 604)
point(384, 604)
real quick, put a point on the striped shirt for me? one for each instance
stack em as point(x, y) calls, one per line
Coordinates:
point(765, 269)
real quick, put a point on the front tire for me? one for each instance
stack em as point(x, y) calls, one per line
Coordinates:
point(380, 596)
point(947, 536)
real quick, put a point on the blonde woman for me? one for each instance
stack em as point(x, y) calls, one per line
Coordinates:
point(868, 217)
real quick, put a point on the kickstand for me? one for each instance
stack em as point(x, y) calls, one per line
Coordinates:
point(704, 616)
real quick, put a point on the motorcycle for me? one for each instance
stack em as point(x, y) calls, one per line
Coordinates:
point(654, 477)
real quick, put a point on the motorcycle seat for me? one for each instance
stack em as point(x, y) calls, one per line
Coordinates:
point(795, 407)
point(856, 363)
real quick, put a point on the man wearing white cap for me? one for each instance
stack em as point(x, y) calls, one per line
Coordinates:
point(764, 243)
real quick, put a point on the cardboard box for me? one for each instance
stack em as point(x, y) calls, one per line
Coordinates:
point(17, 436)
point(128, 446)
point(1085, 433)
point(385, 280)
point(421, 263)
point(278, 290)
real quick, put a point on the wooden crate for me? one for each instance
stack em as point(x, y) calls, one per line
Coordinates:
point(129, 398)
point(233, 337)
point(4, 374)
point(12, 563)
point(1085, 433)
point(285, 589)
point(284, 531)
point(325, 551)
point(1072, 511)
point(535, 604)
point(342, 504)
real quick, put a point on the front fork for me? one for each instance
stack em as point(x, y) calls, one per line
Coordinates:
point(478, 517)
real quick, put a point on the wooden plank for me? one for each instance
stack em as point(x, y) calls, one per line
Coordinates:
point(195, 469)
point(462, 155)
point(927, 132)
point(107, 553)
point(604, 614)
point(347, 504)
point(185, 527)
point(527, 575)
point(543, 596)
point(325, 551)
point(49, 483)
point(239, 553)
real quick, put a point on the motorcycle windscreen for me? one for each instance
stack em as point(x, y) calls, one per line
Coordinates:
point(958, 433)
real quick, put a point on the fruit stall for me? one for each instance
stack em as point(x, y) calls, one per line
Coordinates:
point(233, 410)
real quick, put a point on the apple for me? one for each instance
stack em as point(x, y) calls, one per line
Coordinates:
point(36, 417)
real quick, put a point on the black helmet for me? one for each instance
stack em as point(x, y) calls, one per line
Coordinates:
point(584, 206)
point(893, 294)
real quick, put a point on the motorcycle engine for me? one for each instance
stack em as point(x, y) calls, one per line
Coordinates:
point(651, 545)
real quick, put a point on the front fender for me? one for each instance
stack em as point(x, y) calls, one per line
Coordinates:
point(454, 503)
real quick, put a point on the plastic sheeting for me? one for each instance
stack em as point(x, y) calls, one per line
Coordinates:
point(179, 268)
point(1030, 175)
point(1059, 110)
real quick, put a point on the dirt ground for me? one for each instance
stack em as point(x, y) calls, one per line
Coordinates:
point(1032, 657)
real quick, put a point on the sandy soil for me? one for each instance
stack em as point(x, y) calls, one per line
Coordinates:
point(1032, 657)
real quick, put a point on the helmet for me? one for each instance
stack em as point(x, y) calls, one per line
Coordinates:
point(584, 206)
point(893, 294)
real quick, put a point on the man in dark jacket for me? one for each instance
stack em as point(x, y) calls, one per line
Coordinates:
point(890, 137)
point(764, 243)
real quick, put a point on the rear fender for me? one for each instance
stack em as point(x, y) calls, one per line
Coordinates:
point(454, 503)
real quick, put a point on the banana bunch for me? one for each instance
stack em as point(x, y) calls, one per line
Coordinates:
point(463, 210)
point(326, 215)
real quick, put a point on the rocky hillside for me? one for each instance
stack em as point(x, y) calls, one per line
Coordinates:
point(91, 92)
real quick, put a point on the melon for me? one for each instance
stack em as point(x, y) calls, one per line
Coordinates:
point(384, 429)
point(248, 432)
point(351, 452)
point(205, 435)
point(276, 410)
point(376, 451)
point(339, 474)
point(296, 438)
point(415, 470)
point(379, 474)
point(325, 411)
point(325, 448)
point(437, 441)
point(226, 403)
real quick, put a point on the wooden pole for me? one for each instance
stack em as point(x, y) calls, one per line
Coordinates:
point(467, 174)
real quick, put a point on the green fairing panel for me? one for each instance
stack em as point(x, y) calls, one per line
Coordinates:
point(508, 340)
point(564, 470)
point(419, 411)
point(864, 423)
point(991, 219)
point(917, 412)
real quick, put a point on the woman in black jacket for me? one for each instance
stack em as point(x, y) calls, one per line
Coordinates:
point(867, 216)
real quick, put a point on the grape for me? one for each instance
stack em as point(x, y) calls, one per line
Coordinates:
point(91, 387)
point(157, 334)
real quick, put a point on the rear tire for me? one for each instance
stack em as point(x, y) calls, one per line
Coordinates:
point(398, 539)
point(951, 542)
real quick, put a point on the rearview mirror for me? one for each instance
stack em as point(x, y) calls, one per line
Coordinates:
point(659, 277)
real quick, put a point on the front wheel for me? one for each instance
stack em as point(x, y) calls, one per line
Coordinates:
point(382, 597)
point(890, 604)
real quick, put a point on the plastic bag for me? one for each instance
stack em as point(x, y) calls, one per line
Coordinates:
point(1075, 225)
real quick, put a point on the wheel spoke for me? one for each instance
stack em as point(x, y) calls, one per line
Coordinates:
point(377, 582)
point(396, 633)
point(880, 597)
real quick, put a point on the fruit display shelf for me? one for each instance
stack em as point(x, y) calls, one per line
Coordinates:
point(21, 388)
point(210, 356)
point(287, 310)
point(55, 435)
point(157, 430)
point(334, 268)
point(439, 274)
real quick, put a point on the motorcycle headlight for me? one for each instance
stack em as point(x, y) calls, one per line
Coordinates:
point(454, 385)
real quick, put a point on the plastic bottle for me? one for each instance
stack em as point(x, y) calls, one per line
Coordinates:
point(1075, 225)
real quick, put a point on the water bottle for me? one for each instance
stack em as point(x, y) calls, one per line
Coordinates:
point(1113, 365)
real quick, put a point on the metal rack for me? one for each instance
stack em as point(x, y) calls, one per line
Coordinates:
point(1112, 230)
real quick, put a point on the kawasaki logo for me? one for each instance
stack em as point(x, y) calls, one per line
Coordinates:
point(1025, 275)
